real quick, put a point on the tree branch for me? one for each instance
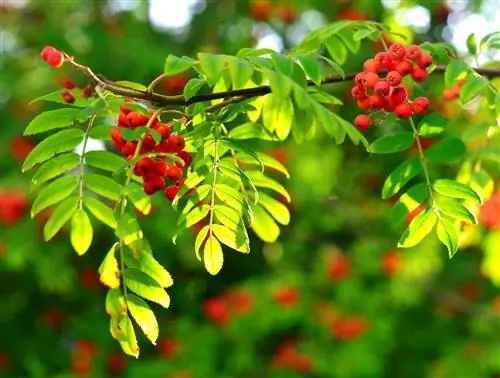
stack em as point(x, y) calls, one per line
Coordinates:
point(231, 96)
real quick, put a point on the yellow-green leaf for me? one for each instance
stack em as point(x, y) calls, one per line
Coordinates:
point(81, 232)
point(109, 272)
point(212, 255)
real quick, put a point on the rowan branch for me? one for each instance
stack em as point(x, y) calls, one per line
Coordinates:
point(230, 96)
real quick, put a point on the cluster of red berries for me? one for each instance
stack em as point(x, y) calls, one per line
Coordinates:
point(220, 309)
point(52, 56)
point(155, 170)
point(289, 357)
point(388, 94)
point(68, 97)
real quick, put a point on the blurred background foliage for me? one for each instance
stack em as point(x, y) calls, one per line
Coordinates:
point(332, 298)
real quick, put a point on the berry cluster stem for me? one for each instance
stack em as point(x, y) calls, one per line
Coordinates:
point(82, 158)
point(423, 160)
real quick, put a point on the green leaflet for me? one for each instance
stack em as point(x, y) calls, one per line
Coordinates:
point(146, 287)
point(418, 229)
point(213, 256)
point(53, 193)
point(53, 119)
point(60, 216)
point(81, 232)
point(64, 140)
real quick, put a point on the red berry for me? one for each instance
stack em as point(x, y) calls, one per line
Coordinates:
point(55, 58)
point(46, 51)
point(420, 105)
point(403, 110)
point(424, 60)
point(377, 101)
point(129, 148)
point(159, 182)
point(391, 262)
point(339, 267)
point(171, 192)
point(358, 79)
point(364, 104)
point(87, 91)
point(260, 10)
point(160, 168)
point(370, 79)
point(286, 296)
point(404, 67)
point(149, 187)
point(451, 93)
point(163, 130)
point(149, 142)
point(116, 363)
point(397, 51)
point(413, 52)
point(384, 60)
point(68, 84)
point(398, 95)
point(146, 165)
point(394, 78)
point(362, 122)
point(419, 74)
point(174, 173)
point(68, 97)
point(116, 135)
point(136, 119)
point(371, 65)
point(122, 120)
point(217, 310)
point(176, 143)
point(358, 92)
point(382, 88)
point(186, 157)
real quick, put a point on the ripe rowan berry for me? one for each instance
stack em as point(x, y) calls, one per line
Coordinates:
point(397, 51)
point(370, 79)
point(371, 65)
point(384, 60)
point(160, 168)
point(174, 173)
point(186, 157)
point(68, 84)
point(451, 93)
point(55, 58)
point(87, 91)
point(358, 79)
point(46, 51)
point(171, 192)
point(364, 104)
point(404, 67)
point(391, 263)
point(394, 78)
point(149, 142)
point(146, 165)
point(362, 122)
point(424, 60)
point(420, 105)
point(413, 52)
point(136, 119)
point(116, 135)
point(398, 95)
point(68, 97)
point(159, 182)
point(382, 88)
point(149, 187)
point(163, 129)
point(419, 74)
point(129, 148)
point(403, 110)
point(377, 101)
point(176, 143)
point(358, 92)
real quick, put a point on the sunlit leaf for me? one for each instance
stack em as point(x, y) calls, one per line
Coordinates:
point(81, 232)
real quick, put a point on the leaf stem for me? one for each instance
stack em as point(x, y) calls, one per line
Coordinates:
point(82, 158)
point(423, 160)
